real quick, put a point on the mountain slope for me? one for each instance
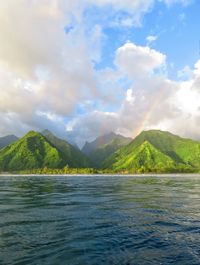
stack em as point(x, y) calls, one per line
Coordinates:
point(163, 152)
point(31, 151)
point(6, 140)
point(182, 150)
point(98, 142)
point(104, 146)
point(145, 158)
point(72, 155)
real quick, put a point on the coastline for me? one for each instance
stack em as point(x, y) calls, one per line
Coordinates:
point(102, 175)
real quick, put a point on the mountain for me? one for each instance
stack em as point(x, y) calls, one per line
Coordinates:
point(72, 155)
point(158, 151)
point(150, 151)
point(104, 146)
point(6, 140)
point(88, 148)
point(37, 151)
point(31, 151)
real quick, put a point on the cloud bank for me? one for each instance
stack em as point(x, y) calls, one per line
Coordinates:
point(49, 78)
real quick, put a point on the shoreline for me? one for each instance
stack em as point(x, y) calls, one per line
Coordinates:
point(103, 175)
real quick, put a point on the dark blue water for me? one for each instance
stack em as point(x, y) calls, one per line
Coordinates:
point(99, 220)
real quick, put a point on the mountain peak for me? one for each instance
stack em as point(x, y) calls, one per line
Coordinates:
point(104, 146)
point(99, 141)
point(111, 134)
point(31, 151)
point(32, 133)
point(150, 151)
point(156, 150)
point(35, 150)
point(46, 132)
point(153, 131)
point(156, 132)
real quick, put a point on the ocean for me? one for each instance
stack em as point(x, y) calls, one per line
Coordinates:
point(94, 220)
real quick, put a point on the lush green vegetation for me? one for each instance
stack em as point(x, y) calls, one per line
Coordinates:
point(71, 155)
point(35, 151)
point(31, 151)
point(150, 152)
point(103, 147)
point(65, 170)
point(156, 151)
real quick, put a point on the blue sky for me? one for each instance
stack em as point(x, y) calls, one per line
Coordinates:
point(176, 28)
point(85, 68)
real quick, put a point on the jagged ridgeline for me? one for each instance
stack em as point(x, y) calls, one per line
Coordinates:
point(102, 147)
point(156, 151)
point(151, 151)
point(35, 150)
point(6, 140)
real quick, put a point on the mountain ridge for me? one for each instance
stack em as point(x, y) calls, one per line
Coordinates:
point(31, 151)
point(183, 152)
point(35, 150)
point(8, 139)
point(104, 146)
point(151, 151)
point(73, 155)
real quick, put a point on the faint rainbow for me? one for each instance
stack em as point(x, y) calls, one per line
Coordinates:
point(148, 113)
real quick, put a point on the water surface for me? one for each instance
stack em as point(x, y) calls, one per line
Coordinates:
point(99, 220)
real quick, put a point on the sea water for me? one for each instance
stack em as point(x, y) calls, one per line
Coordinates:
point(94, 220)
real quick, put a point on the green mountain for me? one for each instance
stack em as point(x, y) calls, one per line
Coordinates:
point(104, 146)
point(6, 140)
point(88, 148)
point(150, 151)
point(71, 154)
point(37, 151)
point(156, 151)
point(31, 151)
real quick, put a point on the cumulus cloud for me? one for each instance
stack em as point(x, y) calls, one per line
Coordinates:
point(137, 61)
point(146, 105)
point(92, 125)
point(42, 68)
point(137, 8)
point(47, 71)
point(152, 102)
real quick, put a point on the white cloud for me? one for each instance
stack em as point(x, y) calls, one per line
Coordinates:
point(141, 109)
point(42, 69)
point(197, 69)
point(91, 125)
point(136, 7)
point(129, 96)
point(136, 61)
point(127, 22)
point(150, 102)
point(46, 72)
point(151, 38)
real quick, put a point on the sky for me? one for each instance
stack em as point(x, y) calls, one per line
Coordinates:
point(84, 68)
